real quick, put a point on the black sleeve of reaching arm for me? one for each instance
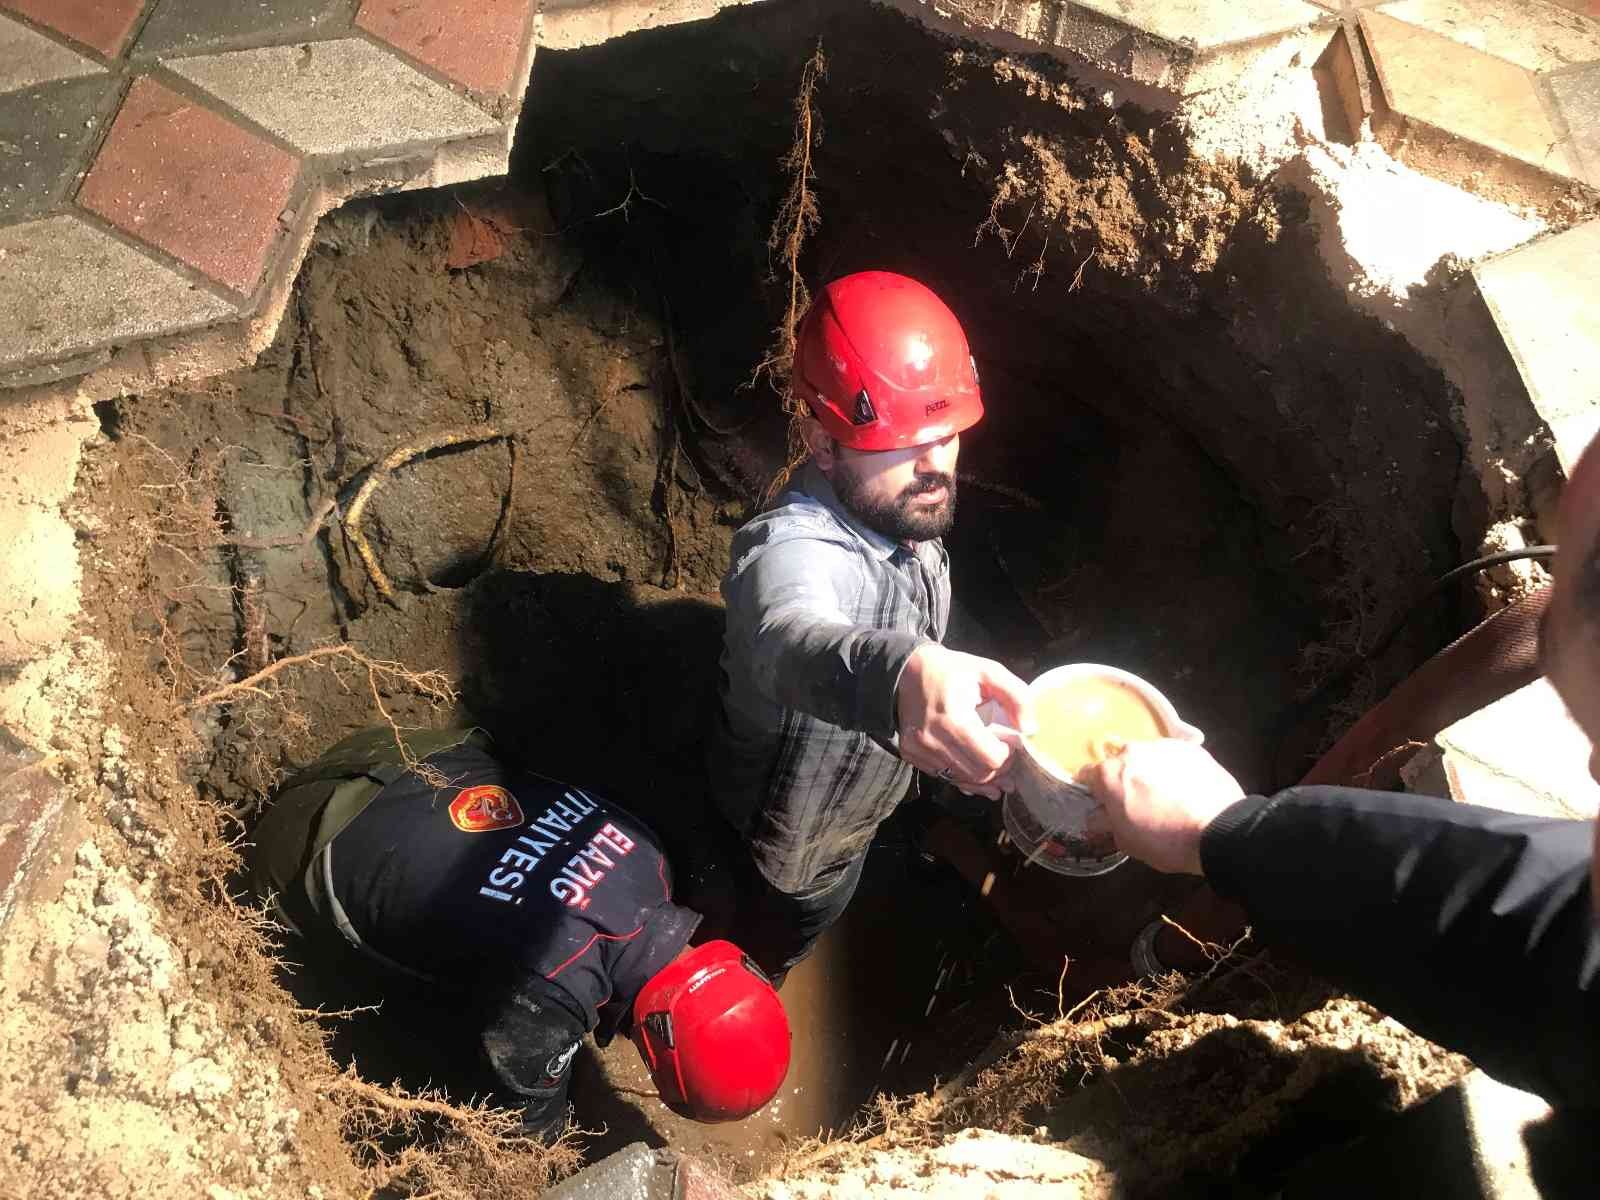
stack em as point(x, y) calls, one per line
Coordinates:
point(1471, 926)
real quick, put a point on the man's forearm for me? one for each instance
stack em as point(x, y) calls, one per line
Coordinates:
point(1472, 926)
point(843, 674)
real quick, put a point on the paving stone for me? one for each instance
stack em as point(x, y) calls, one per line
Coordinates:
point(1208, 23)
point(1523, 753)
point(180, 177)
point(1542, 298)
point(67, 287)
point(1576, 92)
point(102, 25)
point(1471, 95)
point(1530, 33)
point(338, 97)
point(28, 58)
point(476, 43)
point(207, 26)
point(636, 1172)
point(45, 135)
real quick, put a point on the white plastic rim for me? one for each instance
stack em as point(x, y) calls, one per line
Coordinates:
point(1171, 724)
point(1022, 823)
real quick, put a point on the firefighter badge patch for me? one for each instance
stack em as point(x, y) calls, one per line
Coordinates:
point(483, 808)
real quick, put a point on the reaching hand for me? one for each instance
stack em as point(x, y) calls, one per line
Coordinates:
point(1158, 799)
point(940, 729)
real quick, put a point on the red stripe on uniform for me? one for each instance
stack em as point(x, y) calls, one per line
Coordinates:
point(610, 937)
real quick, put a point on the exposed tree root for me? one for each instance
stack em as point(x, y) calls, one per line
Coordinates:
point(459, 1151)
point(433, 686)
point(799, 216)
point(1024, 1067)
point(379, 474)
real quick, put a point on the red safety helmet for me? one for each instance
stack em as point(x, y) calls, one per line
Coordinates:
point(713, 1034)
point(882, 363)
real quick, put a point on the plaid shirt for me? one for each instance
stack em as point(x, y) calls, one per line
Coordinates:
point(822, 614)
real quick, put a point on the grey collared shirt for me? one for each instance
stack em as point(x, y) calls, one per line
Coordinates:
point(822, 614)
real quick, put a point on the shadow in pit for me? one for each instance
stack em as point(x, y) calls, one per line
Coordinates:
point(1236, 1114)
point(610, 1114)
point(1563, 1157)
point(606, 685)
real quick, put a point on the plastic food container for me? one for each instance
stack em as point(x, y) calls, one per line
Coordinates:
point(1047, 813)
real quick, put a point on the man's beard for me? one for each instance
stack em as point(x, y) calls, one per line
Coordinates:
point(897, 518)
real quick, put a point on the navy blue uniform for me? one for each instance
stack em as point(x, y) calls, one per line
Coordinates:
point(550, 906)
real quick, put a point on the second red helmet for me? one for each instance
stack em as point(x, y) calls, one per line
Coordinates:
point(882, 363)
point(713, 1034)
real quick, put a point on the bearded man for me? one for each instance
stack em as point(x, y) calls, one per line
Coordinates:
point(835, 684)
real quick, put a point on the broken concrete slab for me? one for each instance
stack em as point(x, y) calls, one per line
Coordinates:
point(1523, 753)
point(39, 580)
point(1575, 93)
point(28, 58)
point(639, 1172)
point(39, 575)
point(1206, 24)
point(1177, 46)
point(344, 97)
point(1531, 34)
point(636, 1172)
point(1542, 299)
point(67, 288)
point(1431, 81)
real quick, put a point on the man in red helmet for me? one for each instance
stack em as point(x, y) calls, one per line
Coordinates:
point(835, 684)
point(531, 911)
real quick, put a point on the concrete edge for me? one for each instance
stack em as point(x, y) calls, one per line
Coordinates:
point(104, 372)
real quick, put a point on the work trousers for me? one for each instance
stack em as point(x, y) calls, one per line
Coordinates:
point(779, 929)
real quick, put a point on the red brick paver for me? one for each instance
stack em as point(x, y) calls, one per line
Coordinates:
point(31, 800)
point(102, 25)
point(182, 178)
point(476, 43)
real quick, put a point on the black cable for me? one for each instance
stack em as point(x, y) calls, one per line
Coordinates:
point(1439, 585)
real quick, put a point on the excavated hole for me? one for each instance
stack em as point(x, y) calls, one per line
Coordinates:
point(1198, 464)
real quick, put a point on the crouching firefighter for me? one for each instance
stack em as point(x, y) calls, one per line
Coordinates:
point(540, 911)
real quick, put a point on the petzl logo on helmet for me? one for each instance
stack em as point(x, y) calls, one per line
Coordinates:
point(485, 807)
point(864, 413)
point(935, 407)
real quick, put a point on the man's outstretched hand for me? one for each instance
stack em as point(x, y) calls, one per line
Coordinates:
point(940, 729)
point(1158, 799)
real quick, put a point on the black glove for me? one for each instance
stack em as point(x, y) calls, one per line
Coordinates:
point(530, 1044)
